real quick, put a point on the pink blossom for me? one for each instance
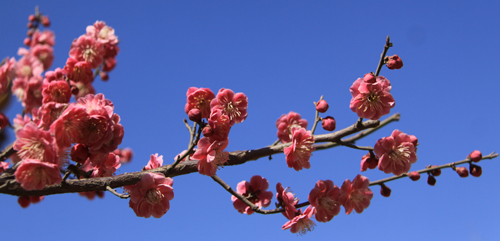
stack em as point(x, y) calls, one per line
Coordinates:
point(220, 125)
point(155, 162)
point(90, 195)
point(210, 154)
point(66, 128)
point(3, 166)
point(34, 143)
point(28, 65)
point(355, 195)
point(35, 175)
point(56, 91)
point(199, 99)
point(104, 165)
point(298, 154)
point(20, 121)
point(125, 154)
point(325, 198)
point(151, 196)
point(44, 53)
point(87, 49)
point(302, 222)
point(46, 37)
point(231, 104)
point(102, 32)
point(475, 156)
point(396, 152)
point(287, 123)
point(286, 200)
point(255, 192)
point(7, 74)
point(79, 71)
point(371, 100)
point(49, 112)
point(84, 89)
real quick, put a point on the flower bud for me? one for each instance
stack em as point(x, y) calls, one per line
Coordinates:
point(4, 121)
point(414, 176)
point(104, 76)
point(322, 106)
point(27, 41)
point(29, 25)
point(74, 90)
point(24, 201)
point(99, 193)
point(207, 131)
point(369, 78)
point(475, 156)
point(30, 32)
point(384, 190)
point(475, 170)
point(367, 161)
point(31, 18)
point(431, 180)
point(394, 62)
point(79, 153)
point(328, 123)
point(462, 171)
point(46, 21)
point(195, 115)
point(436, 172)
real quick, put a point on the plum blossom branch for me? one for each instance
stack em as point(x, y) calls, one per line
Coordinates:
point(367, 148)
point(9, 150)
point(449, 165)
point(387, 45)
point(177, 168)
point(123, 196)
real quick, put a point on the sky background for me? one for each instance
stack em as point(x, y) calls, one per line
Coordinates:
point(284, 55)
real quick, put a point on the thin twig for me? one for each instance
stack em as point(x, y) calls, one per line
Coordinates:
point(367, 148)
point(387, 45)
point(316, 118)
point(449, 165)
point(123, 196)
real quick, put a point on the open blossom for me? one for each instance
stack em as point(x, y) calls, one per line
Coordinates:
point(286, 200)
point(356, 194)
point(371, 100)
point(28, 65)
point(155, 162)
point(55, 88)
point(79, 71)
point(231, 104)
point(255, 192)
point(297, 155)
point(44, 53)
point(34, 143)
point(87, 49)
point(325, 198)
point(199, 98)
point(287, 123)
point(210, 154)
point(220, 125)
point(33, 174)
point(151, 196)
point(46, 37)
point(104, 165)
point(396, 152)
point(49, 112)
point(102, 32)
point(302, 222)
point(368, 161)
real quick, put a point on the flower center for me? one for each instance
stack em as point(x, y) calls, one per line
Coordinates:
point(401, 154)
point(328, 204)
point(305, 225)
point(88, 54)
point(154, 196)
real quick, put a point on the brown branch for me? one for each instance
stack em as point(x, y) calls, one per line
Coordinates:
point(182, 168)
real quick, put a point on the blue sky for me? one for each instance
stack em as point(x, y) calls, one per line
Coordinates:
point(284, 55)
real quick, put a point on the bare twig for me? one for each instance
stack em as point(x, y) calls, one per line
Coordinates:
point(123, 196)
point(387, 45)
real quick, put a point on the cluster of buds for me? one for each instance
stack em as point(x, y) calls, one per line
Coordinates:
point(328, 123)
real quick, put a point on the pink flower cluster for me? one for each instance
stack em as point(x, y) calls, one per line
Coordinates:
point(325, 199)
point(370, 97)
point(222, 112)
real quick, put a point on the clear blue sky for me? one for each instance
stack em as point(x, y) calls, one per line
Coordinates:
point(284, 55)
